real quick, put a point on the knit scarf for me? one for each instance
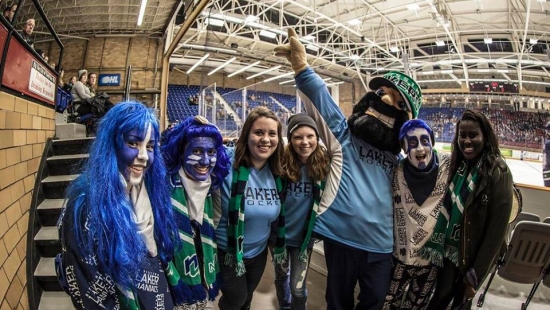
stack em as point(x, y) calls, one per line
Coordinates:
point(235, 241)
point(445, 240)
point(310, 221)
point(189, 289)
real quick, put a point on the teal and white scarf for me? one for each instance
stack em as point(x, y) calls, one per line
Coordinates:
point(190, 287)
point(235, 231)
point(445, 240)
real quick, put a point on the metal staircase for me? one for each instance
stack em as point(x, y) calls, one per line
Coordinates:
point(60, 164)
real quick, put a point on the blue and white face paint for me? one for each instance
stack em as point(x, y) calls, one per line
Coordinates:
point(418, 146)
point(136, 156)
point(199, 158)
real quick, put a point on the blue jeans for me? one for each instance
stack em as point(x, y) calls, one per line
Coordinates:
point(236, 290)
point(291, 291)
point(347, 266)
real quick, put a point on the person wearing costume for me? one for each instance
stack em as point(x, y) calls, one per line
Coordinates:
point(117, 229)
point(419, 185)
point(472, 225)
point(355, 217)
point(305, 167)
point(250, 202)
point(197, 165)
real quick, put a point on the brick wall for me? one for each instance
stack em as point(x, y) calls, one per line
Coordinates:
point(24, 129)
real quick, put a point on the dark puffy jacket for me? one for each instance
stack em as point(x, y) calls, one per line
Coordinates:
point(485, 220)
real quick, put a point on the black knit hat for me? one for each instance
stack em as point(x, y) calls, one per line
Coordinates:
point(297, 120)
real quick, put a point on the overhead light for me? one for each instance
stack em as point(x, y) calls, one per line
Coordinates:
point(268, 34)
point(394, 49)
point(263, 72)
point(542, 1)
point(279, 76)
point(312, 47)
point(222, 65)
point(207, 48)
point(427, 72)
point(446, 71)
point(533, 41)
point(483, 70)
point(251, 19)
point(286, 82)
point(354, 22)
point(440, 43)
point(354, 57)
point(502, 70)
point(309, 38)
point(198, 63)
point(214, 22)
point(141, 12)
point(413, 6)
point(488, 40)
point(244, 69)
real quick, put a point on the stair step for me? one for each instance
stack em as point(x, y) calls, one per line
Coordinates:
point(54, 186)
point(47, 241)
point(71, 146)
point(66, 164)
point(45, 268)
point(47, 234)
point(49, 204)
point(49, 211)
point(55, 301)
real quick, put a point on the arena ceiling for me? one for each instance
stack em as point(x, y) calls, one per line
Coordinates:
point(443, 43)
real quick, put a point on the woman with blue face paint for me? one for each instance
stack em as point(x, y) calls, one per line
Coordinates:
point(306, 165)
point(197, 165)
point(250, 202)
point(419, 185)
point(117, 228)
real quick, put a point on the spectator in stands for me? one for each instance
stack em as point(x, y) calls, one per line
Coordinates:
point(80, 93)
point(60, 78)
point(90, 83)
point(243, 233)
point(197, 165)
point(27, 30)
point(306, 166)
point(9, 11)
point(117, 229)
point(69, 86)
point(481, 221)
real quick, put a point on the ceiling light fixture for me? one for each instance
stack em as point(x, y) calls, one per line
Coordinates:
point(222, 65)
point(263, 72)
point(279, 76)
point(198, 63)
point(533, 41)
point(141, 12)
point(488, 40)
point(394, 49)
point(214, 22)
point(268, 34)
point(244, 69)
point(440, 43)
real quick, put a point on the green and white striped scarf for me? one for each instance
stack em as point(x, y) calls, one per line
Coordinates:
point(310, 221)
point(235, 241)
point(445, 240)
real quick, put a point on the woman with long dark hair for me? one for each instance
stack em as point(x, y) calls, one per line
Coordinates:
point(472, 225)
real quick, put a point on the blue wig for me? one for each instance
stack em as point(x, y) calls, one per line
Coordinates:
point(178, 137)
point(413, 124)
point(99, 204)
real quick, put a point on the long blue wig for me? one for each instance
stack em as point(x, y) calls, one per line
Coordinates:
point(99, 204)
point(177, 139)
point(413, 124)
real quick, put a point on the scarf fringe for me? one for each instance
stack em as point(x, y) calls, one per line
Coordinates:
point(280, 258)
point(433, 255)
point(187, 294)
point(240, 268)
point(452, 254)
point(304, 256)
point(229, 259)
point(214, 289)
